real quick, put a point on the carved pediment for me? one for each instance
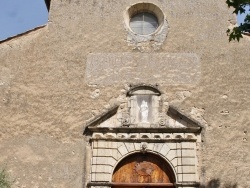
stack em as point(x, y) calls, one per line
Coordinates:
point(143, 110)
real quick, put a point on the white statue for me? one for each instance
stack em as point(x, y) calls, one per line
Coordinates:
point(144, 111)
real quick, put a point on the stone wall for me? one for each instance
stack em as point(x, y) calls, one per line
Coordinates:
point(45, 96)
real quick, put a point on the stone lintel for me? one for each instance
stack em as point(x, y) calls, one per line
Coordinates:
point(145, 130)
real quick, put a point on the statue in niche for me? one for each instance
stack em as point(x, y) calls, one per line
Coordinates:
point(144, 112)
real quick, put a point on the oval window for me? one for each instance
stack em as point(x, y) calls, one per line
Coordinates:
point(144, 23)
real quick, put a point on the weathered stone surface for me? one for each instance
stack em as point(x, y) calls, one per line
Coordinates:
point(45, 96)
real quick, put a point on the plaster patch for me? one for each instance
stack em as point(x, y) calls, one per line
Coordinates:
point(198, 114)
point(95, 94)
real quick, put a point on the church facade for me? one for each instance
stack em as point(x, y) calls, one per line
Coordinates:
point(118, 94)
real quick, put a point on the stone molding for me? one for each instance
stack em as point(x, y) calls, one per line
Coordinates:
point(123, 130)
point(191, 137)
point(181, 156)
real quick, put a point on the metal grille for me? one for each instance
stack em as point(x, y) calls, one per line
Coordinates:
point(144, 23)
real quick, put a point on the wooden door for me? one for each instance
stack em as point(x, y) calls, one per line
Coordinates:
point(143, 170)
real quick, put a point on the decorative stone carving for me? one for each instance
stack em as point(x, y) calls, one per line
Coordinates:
point(125, 119)
point(144, 112)
point(144, 147)
point(146, 136)
point(162, 120)
point(143, 122)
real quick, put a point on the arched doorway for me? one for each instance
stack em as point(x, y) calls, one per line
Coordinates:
point(143, 170)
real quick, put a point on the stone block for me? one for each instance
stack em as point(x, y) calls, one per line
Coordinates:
point(171, 154)
point(105, 152)
point(93, 175)
point(174, 162)
point(101, 144)
point(172, 146)
point(104, 161)
point(137, 146)
point(95, 152)
point(164, 150)
point(123, 149)
point(188, 177)
point(130, 146)
point(186, 152)
point(105, 144)
point(150, 146)
point(103, 177)
point(188, 145)
point(188, 161)
point(179, 177)
point(102, 168)
point(94, 144)
point(186, 169)
point(157, 147)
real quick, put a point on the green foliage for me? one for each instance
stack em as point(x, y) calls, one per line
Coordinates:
point(4, 182)
point(239, 7)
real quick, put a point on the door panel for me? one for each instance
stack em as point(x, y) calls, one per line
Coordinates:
point(142, 169)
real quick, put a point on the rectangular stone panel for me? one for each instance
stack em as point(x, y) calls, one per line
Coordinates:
point(123, 150)
point(105, 153)
point(137, 146)
point(102, 177)
point(104, 161)
point(172, 145)
point(188, 145)
point(186, 153)
point(158, 146)
point(186, 169)
point(164, 150)
point(129, 146)
point(102, 168)
point(188, 161)
point(186, 177)
point(166, 68)
point(104, 144)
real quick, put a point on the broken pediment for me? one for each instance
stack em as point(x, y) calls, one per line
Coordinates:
point(143, 110)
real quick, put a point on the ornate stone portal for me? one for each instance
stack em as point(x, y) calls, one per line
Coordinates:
point(143, 124)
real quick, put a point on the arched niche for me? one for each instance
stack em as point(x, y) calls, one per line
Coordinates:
point(144, 90)
point(142, 170)
point(144, 103)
